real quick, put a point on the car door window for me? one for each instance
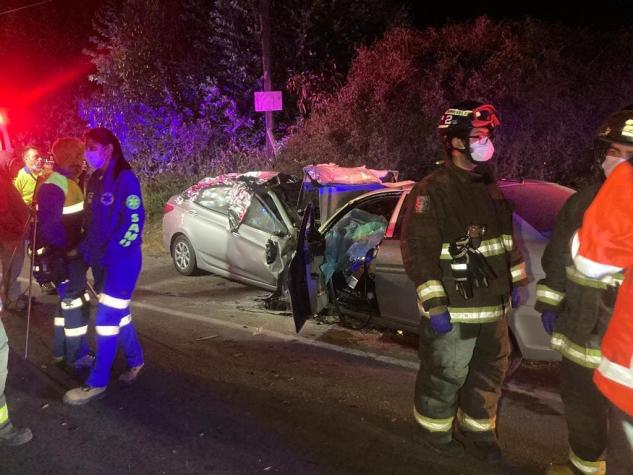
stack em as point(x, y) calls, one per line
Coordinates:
point(382, 206)
point(260, 217)
point(215, 198)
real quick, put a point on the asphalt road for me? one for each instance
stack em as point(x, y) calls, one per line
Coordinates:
point(229, 388)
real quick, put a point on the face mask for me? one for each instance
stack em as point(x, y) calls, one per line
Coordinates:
point(609, 164)
point(482, 152)
point(94, 159)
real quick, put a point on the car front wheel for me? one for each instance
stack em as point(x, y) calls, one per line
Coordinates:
point(184, 256)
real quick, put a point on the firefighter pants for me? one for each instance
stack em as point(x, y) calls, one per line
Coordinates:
point(70, 334)
point(586, 414)
point(461, 373)
point(4, 361)
point(620, 449)
point(113, 320)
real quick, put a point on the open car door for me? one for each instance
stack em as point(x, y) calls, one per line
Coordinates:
point(307, 291)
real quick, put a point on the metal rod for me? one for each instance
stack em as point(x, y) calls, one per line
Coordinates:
point(30, 303)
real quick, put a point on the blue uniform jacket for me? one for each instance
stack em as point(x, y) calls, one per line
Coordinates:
point(114, 217)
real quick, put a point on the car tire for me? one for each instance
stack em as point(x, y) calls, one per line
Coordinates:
point(184, 256)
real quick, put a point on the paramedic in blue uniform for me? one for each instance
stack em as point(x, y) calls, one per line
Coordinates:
point(111, 246)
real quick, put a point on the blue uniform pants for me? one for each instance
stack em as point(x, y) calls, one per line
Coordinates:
point(71, 324)
point(113, 320)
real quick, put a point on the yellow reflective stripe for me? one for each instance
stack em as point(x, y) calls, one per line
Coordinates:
point(588, 357)
point(107, 330)
point(76, 331)
point(433, 425)
point(579, 278)
point(4, 414)
point(616, 372)
point(477, 314)
point(76, 303)
point(431, 289)
point(586, 466)
point(548, 295)
point(518, 272)
point(109, 301)
point(489, 248)
point(475, 425)
point(76, 208)
point(87, 297)
point(508, 242)
point(59, 321)
point(125, 320)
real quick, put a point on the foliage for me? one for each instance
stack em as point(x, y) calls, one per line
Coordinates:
point(552, 85)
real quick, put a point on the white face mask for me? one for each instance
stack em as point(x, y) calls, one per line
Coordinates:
point(94, 159)
point(482, 152)
point(609, 164)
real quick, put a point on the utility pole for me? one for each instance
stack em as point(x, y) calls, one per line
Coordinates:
point(264, 20)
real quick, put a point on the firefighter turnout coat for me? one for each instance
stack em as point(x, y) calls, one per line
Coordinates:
point(441, 209)
point(583, 304)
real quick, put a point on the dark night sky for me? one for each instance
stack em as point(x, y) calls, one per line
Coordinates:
point(52, 35)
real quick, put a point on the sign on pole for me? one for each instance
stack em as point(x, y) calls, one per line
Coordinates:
point(266, 101)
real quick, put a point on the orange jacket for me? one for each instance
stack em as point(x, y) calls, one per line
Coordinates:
point(606, 245)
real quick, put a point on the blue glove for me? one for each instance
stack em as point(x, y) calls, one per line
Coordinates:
point(548, 318)
point(441, 323)
point(516, 297)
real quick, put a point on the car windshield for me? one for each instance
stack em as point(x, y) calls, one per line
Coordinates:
point(536, 203)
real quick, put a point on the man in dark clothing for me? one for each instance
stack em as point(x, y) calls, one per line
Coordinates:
point(458, 248)
point(576, 310)
point(13, 218)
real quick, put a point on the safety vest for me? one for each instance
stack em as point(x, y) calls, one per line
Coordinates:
point(604, 246)
point(72, 217)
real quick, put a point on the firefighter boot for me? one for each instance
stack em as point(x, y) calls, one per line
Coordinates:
point(128, 377)
point(11, 435)
point(83, 395)
point(569, 469)
point(481, 445)
point(443, 443)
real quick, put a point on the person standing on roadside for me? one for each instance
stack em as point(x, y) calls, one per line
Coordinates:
point(13, 217)
point(112, 248)
point(458, 249)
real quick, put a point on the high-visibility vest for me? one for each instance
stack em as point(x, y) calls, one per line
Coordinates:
point(72, 217)
point(606, 245)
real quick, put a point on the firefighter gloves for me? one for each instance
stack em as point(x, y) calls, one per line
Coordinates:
point(441, 323)
point(548, 318)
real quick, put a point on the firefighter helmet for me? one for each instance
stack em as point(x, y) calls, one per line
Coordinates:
point(618, 127)
point(460, 118)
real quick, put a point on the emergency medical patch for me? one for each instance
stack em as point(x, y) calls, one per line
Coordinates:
point(421, 204)
point(133, 202)
point(107, 198)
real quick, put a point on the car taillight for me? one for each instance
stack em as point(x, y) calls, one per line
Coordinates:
point(168, 207)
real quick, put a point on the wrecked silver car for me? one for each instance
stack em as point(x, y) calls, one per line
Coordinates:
point(239, 226)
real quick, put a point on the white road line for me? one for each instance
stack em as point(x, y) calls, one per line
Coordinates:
point(281, 336)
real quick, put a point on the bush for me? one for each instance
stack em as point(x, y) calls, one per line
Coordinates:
point(552, 85)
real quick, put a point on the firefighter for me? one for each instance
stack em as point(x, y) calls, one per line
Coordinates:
point(575, 310)
point(458, 249)
point(60, 207)
point(602, 249)
point(112, 247)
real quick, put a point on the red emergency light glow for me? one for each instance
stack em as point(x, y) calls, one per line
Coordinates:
point(69, 75)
